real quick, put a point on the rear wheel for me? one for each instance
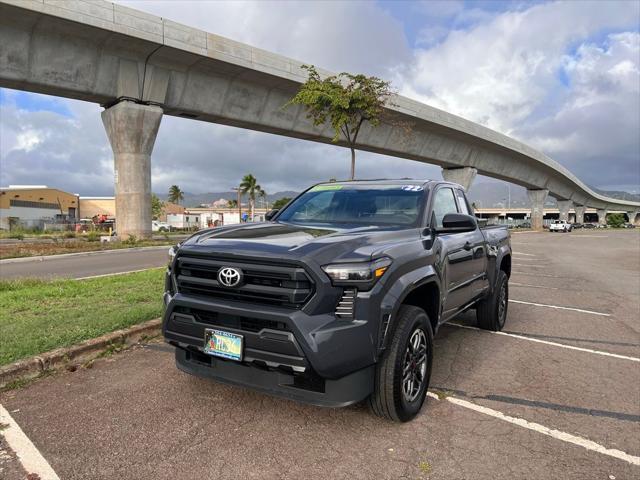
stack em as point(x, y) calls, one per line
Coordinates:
point(491, 312)
point(403, 372)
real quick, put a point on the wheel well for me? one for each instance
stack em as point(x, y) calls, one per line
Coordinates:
point(505, 265)
point(427, 297)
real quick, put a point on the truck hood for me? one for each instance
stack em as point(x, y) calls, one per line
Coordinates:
point(323, 243)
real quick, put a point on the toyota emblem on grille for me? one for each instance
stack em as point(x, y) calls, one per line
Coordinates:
point(229, 276)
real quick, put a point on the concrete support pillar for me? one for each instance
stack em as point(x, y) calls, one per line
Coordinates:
point(132, 130)
point(564, 206)
point(462, 176)
point(632, 216)
point(537, 199)
point(580, 209)
point(602, 216)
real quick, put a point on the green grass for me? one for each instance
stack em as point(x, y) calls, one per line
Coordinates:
point(37, 316)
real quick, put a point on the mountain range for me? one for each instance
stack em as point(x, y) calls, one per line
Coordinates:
point(483, 194)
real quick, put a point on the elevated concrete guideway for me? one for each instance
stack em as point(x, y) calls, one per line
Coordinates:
point(105, 53)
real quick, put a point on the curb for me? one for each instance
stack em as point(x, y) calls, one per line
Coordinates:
point(42, 258)
point(72, 356)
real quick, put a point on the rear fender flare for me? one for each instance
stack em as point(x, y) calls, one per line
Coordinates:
point(503, 251)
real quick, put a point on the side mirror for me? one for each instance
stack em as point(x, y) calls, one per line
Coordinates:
point(457, 223)
point(270, 214)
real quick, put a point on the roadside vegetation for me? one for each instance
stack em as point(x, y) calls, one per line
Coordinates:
point(61, 245)
point(37, 316)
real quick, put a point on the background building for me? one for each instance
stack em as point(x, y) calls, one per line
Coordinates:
point(92, 206)
point(33, 206)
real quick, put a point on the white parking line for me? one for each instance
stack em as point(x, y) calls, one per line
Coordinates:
point(536, 427)
point(590, 312)
point(528, 265)
point(28, 455)
point(531, 286)
point(525, 254)
point(553, 344)
point(116, 273)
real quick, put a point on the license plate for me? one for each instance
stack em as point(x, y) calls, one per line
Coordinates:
point(223, 344)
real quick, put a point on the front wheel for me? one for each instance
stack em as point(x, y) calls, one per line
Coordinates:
point(403, 372)
point(491, 312)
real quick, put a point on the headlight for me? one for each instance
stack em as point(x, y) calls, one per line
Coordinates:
point(364, 275)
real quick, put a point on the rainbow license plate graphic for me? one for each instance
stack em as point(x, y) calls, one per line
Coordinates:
point(223, 344)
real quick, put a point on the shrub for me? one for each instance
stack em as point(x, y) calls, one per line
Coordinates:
point(69, 234)
point(132, 240)
point(93, 236)
point(615, 220)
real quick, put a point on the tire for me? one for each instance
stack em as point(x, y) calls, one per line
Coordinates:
point(393, 398)
point(491, 312)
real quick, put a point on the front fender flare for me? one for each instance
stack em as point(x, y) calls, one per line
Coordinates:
point(396, 295)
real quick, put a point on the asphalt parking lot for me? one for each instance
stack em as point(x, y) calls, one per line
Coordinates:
point(84, 265)
point(556, 396)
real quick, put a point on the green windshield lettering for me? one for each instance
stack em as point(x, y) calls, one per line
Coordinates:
point(320, 188)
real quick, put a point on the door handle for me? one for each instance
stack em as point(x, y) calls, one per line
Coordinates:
point(468, 246)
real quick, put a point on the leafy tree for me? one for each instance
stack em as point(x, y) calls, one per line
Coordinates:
point(280, 203)
point(249, 186)
point(156, 206)
point(346, 101)
point(232, 203)
point(615, 220)
point(175, 194)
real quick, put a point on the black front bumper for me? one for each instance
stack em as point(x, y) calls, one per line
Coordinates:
point(345, 391)
point(313, 358)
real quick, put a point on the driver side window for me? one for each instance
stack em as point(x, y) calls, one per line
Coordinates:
point(444, 202)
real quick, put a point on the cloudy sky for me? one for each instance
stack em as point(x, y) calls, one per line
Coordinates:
point(563, 77)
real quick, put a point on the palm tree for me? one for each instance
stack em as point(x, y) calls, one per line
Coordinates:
point(175, 194)
point(232, 203)
point(249, 186)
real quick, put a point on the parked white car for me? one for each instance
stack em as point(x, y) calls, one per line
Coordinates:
point(158, 226)
point(560, 226)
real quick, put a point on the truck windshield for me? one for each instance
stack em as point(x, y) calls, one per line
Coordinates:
point(362, 204)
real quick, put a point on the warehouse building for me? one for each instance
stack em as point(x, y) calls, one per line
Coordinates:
point(33, 206)
point(92, 206)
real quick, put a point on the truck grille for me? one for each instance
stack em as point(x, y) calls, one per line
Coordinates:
point(279, 285)
point(237, 322)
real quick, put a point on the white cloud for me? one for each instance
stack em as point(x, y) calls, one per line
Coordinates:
point(28, 140)
point(533, 72)
point(352, 35)
point(500, 71)
point(45, 147)
point(598, 124)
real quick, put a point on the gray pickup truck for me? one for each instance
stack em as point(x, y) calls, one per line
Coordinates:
point(335, 299)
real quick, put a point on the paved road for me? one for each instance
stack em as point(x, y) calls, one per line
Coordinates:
point(80, 266)
point(565, 382)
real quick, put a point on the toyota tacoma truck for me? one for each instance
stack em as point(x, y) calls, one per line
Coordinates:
point(335, 299)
